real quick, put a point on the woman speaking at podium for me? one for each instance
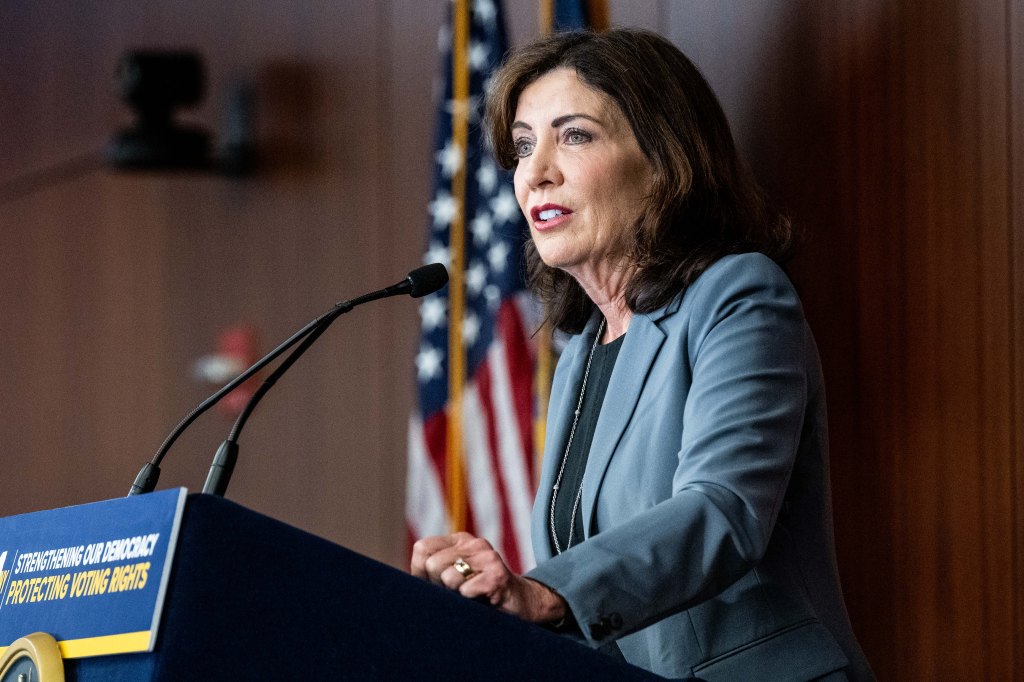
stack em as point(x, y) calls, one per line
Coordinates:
point(683, 519)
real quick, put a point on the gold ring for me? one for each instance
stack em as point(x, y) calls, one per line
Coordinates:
point(463, 567)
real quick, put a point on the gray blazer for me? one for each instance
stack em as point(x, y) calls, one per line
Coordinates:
point(706, 498)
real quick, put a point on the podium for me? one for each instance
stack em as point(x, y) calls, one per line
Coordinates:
point(253, 598)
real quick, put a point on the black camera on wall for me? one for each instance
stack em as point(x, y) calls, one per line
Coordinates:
point(155, 85)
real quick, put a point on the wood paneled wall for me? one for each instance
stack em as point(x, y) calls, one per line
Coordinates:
point(890, 130)
point(112, 284)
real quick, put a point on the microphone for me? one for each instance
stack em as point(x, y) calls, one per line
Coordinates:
point(420, 282)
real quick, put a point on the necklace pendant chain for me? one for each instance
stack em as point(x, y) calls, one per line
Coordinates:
point(565, 456)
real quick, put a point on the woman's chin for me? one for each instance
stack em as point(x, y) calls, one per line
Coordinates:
point(559, 263)
point(555, 255)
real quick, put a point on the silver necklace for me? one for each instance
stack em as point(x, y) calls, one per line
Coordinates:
point(565, 456)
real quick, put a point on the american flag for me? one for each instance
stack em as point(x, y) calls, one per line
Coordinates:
point(572, 15)
point(471, 455)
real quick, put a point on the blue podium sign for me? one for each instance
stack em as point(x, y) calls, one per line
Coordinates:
point(92, 576)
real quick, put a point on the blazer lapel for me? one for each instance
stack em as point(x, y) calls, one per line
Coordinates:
point(639, 349)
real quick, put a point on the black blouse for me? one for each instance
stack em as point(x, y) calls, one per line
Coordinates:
point(572, 477)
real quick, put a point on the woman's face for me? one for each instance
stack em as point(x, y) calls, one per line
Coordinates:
point(581, 177)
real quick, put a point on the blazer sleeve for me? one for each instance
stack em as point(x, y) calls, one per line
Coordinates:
point(745, 353)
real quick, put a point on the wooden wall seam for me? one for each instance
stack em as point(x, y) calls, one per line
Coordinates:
point(1014, 12)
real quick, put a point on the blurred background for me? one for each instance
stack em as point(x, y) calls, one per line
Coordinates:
point(891, 130)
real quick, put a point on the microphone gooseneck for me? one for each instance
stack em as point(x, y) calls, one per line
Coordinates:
point(420, 282)
point(223, 465)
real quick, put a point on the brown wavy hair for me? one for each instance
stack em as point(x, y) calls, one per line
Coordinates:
point(703, 204)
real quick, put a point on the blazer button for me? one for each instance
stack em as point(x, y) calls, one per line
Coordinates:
point(605, 626)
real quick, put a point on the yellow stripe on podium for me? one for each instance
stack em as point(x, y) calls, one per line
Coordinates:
point(126, 643)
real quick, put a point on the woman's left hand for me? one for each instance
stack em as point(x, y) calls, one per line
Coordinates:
point(484, 575)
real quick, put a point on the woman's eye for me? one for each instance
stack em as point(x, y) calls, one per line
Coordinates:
point(576, 136)
point(523, 148)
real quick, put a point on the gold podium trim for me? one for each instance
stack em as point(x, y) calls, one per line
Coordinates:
point(129, 642)
point(42, 650)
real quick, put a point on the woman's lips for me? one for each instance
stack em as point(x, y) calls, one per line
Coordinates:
point(549, 216)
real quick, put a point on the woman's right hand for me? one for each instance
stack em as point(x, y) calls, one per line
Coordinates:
point(483, 573)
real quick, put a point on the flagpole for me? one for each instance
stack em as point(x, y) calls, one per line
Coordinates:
point(456, 475)
point(598, 15)
point(546, 16)
point(542, 375)
point(594, 14)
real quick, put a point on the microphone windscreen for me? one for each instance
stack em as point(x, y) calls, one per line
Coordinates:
point(427, 279)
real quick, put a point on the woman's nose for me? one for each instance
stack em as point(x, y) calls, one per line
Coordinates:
point(541, 167)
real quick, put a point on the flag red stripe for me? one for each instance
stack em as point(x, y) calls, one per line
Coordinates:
point(509, 548)
point(520, 364)
point(435, 430)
